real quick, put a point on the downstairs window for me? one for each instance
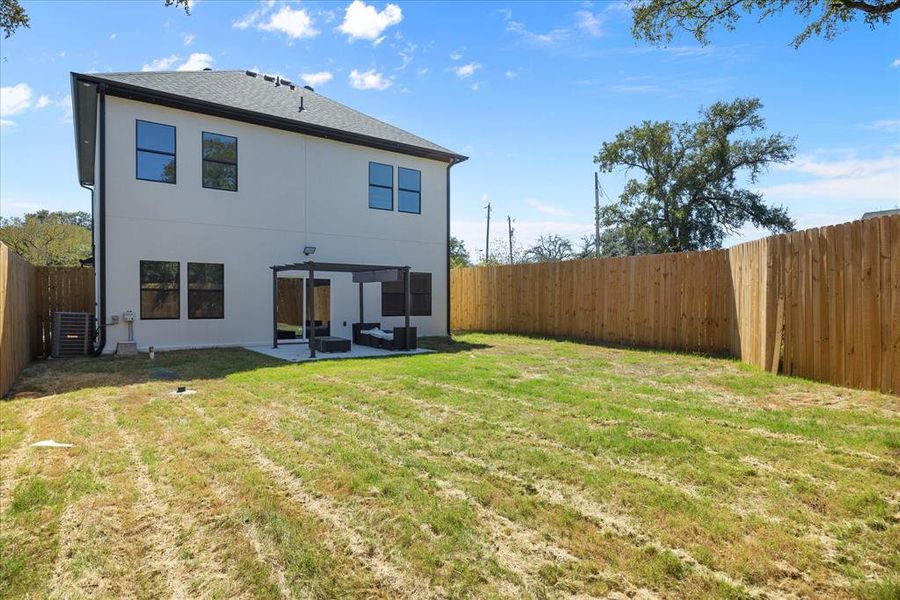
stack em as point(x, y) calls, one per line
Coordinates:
point(206, 291)
point(160, 291)
point(393, 301)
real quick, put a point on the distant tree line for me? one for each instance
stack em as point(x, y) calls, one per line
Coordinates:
point(49, 238)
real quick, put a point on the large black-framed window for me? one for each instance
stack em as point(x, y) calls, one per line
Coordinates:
point(206, 290)
point(393, 300)
point(381, 186)
point(409, 190)
point(160, 289)
point(154, 151)
point(220, 156)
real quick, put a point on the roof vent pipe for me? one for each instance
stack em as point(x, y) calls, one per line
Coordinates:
point(301, 109)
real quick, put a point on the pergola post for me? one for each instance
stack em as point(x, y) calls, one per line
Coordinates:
point(361, 320)
point(407, 293)
point(274, 307)
point(311, 309)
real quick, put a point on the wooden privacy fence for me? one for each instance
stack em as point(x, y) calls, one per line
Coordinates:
point(821, 303)
point(29, 295)
point(17, 278)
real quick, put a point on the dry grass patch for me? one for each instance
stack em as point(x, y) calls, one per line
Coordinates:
point(501, 466)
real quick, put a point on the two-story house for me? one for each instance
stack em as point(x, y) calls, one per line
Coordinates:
point(202, 181)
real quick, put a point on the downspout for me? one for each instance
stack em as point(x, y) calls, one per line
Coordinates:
point(101, 209)
point(450, 164)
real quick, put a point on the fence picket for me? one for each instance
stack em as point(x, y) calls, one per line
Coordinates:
point(823, 303)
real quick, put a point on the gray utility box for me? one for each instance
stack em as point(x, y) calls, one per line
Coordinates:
point(73, 334)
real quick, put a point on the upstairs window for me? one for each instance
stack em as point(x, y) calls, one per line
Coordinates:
point(393, 302)
point(409, 190)
point(381, 186)
point(206, 291)
point(160, 290)
point(220, 162)
point(155, 152)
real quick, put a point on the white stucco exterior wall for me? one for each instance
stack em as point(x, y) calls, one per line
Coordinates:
point(293, 190)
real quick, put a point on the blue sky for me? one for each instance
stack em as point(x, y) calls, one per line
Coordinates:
point(529, 91)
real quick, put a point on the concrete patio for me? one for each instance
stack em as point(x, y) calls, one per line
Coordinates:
point(300, 352)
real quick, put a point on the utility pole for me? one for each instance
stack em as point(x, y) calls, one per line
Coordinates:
point(596, 215)
point(509, 225)
point(487, 236)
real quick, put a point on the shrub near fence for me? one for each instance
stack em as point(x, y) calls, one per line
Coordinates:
point(29, 295)
point(821, 303)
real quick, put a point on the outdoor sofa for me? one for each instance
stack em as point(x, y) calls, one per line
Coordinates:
point(371, 334)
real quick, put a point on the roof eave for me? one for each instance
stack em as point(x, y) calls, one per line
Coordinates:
point(133, 92)
point(84, 120)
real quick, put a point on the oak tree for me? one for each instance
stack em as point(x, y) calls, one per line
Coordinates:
point(656, 21)
point(684, 191)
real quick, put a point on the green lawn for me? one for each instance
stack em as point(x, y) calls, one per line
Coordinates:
point(500, 466)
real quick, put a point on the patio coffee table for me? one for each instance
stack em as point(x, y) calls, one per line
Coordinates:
point(330, 343)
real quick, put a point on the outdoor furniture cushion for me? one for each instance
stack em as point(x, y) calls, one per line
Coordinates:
point(378, 333)
point(363, 338)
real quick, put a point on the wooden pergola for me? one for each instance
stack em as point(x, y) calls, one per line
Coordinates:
point(361, 274)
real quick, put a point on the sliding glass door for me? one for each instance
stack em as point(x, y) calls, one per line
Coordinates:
point(293, 324)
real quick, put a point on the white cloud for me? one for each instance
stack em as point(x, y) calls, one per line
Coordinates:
point(197, 62)
point(188, 38)
point(369, 80)
point(161, 64)
point(456, 55)
point(845, 179)
point(253, 17)
point(14, 99)
point(547, 209)
point(886, 125)
point(364, 22)
point(293, 22)
point(518, 28)
point(896, 63)
point(640, 88)
point(466, 70)
point(510, 74)
point(423, 71)
point(683, 51)
point(66, 105)
point(113, 36)
point(19, 98)
point(407, 53)
point(319, 78)
point(589, 23)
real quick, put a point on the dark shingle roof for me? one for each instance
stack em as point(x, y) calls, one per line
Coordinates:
point(242, 91)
